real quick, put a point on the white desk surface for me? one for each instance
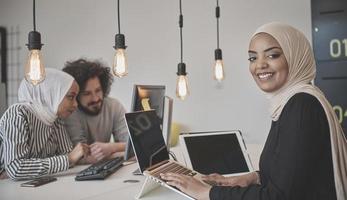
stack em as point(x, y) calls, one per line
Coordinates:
point(66, 188)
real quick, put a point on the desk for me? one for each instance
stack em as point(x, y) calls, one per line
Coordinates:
point(66, 188)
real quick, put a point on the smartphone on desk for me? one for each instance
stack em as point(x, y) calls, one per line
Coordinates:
point(38, 181)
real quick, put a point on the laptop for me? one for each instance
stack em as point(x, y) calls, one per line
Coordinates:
point(151, 151)
point(222, 152)
point(128, 152)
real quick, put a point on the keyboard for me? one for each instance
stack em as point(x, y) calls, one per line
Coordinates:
point(174, 168)
point(100, 170)
point(178, 169)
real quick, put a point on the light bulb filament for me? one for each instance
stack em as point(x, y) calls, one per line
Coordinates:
point(219, 70)
point(120, 66)
point(182, 87)
point(34, 69)
point(34, 72)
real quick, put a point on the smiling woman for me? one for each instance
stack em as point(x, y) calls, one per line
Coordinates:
point(268, 64)
point(305, 154)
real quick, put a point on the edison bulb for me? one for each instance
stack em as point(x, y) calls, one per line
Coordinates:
point(120, 63)
point(182, 90)
point(34, 68)
point(219, 70)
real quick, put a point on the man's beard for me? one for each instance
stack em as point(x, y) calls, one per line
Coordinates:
point(88, 111)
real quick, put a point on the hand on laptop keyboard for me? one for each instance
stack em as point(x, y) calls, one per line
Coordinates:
point(188, 185)
point(174, 168)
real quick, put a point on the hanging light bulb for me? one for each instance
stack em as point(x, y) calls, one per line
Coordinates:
point(120, 61)
point(34, 69)
point(182, 89)
point(219, 66)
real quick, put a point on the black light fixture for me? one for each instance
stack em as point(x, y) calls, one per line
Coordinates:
point(34, 69)
point(182, 90)
point(120, 61)
point(218, 69)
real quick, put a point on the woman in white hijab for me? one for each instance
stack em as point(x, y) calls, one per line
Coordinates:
point(305, 155)
point(33, 140)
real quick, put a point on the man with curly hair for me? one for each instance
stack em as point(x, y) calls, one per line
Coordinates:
point(98, 116)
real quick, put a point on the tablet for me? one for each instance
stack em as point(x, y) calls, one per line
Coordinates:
point(222, 152)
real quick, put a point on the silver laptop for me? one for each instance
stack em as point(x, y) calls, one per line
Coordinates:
point(150, 149)
point(222, 152)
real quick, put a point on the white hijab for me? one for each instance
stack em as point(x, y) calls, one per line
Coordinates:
point(44, 99)
point(302, 71)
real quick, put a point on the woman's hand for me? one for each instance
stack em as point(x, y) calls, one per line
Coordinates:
point(242, 181)
point(77, 153)
point(188, 185)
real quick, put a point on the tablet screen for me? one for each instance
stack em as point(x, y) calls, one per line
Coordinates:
point(219, 153)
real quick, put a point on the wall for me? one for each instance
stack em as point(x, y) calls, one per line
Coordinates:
point(86, 28)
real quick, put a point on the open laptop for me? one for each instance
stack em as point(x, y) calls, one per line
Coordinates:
point(222, 152)
point(128, 152)
point(151, 152)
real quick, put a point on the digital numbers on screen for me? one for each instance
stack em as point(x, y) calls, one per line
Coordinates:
point(141, 124)
point(338, 48)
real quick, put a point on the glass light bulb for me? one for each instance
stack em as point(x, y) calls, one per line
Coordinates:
point(219, 70)
point(182, 87)
point(120, 63)
point(34, 68)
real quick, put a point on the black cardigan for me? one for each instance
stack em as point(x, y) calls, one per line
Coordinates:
point(296, 162)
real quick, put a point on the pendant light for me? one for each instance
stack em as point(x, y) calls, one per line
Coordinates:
point(120, 61)
point(218, 69)
point(34, 69)
point(182, 89)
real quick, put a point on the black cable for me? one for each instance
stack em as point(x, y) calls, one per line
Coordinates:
point(181, 26)
point(172, 154)
point(34, 16)
point(217, 16)
point(118, 17)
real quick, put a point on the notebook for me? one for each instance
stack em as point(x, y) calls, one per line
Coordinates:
point(151, 151)
point(222, 152)
point(128, 152)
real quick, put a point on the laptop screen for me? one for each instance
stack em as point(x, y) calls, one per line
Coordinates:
point(216, 153)
point(129, 152)
point(147, 139)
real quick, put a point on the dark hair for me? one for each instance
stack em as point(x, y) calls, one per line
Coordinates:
point(83, 70)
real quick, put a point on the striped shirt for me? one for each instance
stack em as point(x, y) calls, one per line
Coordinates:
point(30, 148)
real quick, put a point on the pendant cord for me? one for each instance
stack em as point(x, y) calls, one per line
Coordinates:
point(118, 16)
point(181, 26)
point(217, 16)
point(34, 16)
